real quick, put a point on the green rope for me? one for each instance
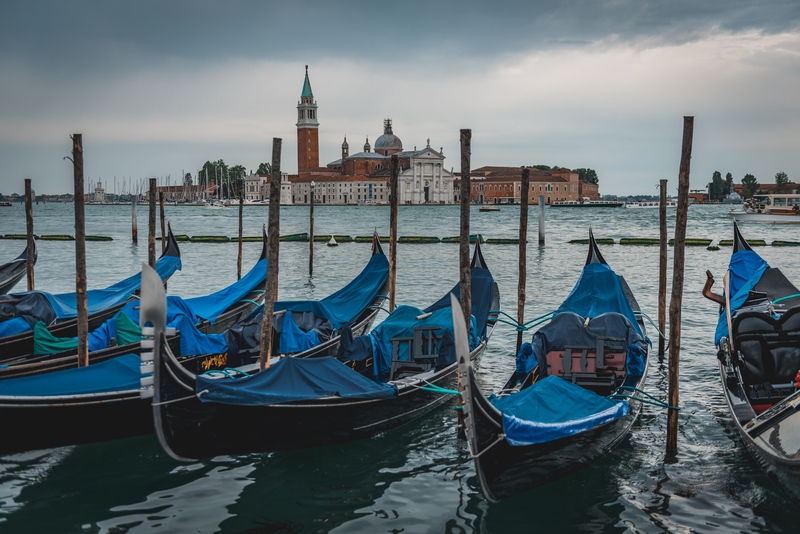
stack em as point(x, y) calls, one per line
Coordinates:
point(655, 401)
point(653, 324)
point(378, 308)
point(436, 389)
point(786, 298)
point(250, 301)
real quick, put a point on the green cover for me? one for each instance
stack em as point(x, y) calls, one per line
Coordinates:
point(639, 241)
point(127, 330)
point(46, 343)
point(294, 237)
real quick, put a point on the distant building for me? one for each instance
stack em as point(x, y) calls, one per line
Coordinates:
point(363, 177)
point(99, 193)
point(256, 188)
point(501, 185)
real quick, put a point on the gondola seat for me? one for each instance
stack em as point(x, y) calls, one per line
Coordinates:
point(600, 367)
point(422, 351)
point(769, 354)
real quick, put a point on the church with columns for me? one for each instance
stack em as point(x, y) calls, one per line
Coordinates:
point(363, 177)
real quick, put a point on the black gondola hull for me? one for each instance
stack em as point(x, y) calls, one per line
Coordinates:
point(505, 470)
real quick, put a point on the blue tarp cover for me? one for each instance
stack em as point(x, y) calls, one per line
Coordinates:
point(346, 304)
point(118, 374)
point(210, 306)
point(481, 290)
point(553, 408)
point(746, 268)
point(292, 380)
point(293, 339)
point(64, 304)
point(598, 291)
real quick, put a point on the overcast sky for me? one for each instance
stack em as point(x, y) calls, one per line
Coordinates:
point(160, 87)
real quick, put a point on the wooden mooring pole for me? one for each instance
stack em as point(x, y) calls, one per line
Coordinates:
point(311, 233)
point(662, 270)
point(270, 291)
point(151, 226)
point(134, 225)
point(241, 213)
point(393, 200)
point(80, 252)
point(523, 251)
point(463, 249)
point(163, 222)
point(31, 247)
point(677, 283)
point(541, 219)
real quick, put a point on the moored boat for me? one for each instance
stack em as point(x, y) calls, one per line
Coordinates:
point(651, 204)
point(13, 271)
point(758, 341)
point(489, 207)
point(770, 209)
point(398, 373)
point(109, 399)
point(568, 401)
point(585, 202)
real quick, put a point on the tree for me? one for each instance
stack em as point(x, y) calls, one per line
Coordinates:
point(728, 189)
point(781, 181)
point(715, 187)
point(187, 180)
point(750, 185)
point(264, 168)
point(587, 175)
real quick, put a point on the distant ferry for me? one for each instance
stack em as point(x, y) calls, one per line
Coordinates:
point(586, 203)
point(773, 209)
point(671, 203)
point(489, 207)
point(6, 204)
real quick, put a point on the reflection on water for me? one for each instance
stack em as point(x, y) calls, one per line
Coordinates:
point(418, 478)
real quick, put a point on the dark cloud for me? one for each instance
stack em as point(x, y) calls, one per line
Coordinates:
point(95, 36)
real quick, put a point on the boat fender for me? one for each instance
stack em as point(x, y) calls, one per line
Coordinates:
point(586, 323)
point(797, 380)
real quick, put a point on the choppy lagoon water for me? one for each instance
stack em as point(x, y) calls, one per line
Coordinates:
point(418, 478)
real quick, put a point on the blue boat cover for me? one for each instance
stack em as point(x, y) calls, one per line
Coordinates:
point(401, 323)
point(482, 287)
point(118, 374)
point(211, 306)
point(345, 305)
point(553, 408)
point(568, 328)
point(746, 268)
point(35, 306)
point(597, 291)
point(292, 380)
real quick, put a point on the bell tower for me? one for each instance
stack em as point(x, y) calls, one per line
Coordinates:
point(307, 130)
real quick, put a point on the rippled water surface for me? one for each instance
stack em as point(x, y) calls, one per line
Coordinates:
point(418, 478)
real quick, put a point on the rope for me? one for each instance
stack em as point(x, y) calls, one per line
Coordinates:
point(654, 401)
point(436, 389)
point(162, 403)
point(227, 372)
point(524, 327)
point(786, 298)
point(653, 324)
point(254, 303)
point(378, 308)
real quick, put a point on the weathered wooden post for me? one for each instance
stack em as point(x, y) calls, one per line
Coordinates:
point(523, 251)
point(677, 283)
point(273, 240)
point(80, 252)
point(134, 225)
point(662, 270)
point(541, 219)
point(163, 222)
point(463, 249)
point(393, 200)
point(241, 213)
point(151, 226)
point(311, 232)
point(29, 251)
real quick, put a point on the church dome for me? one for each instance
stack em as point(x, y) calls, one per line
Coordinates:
point(388, 141)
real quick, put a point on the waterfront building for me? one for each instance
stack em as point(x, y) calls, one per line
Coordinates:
point(363, 177)
point(503, 185)
point(256, 188)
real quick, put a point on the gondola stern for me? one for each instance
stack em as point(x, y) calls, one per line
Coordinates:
point(477, 256)
point(376, 243)
point(172, 244)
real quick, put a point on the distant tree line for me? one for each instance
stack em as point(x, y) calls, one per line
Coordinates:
point(719, 188)
point(229, 178)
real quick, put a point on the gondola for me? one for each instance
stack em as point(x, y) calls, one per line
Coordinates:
point(398, 373)
point(13, 271)
point(554, 415)
point(211, 314)
point(19, 312)
point(108, 399)
point(758, 343)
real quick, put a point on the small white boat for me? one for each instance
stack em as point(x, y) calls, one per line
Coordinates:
point(216, 205)
point(771, 209)
point(489, 207)
point(651, 204)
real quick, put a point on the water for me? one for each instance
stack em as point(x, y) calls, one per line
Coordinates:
point(418, 478)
